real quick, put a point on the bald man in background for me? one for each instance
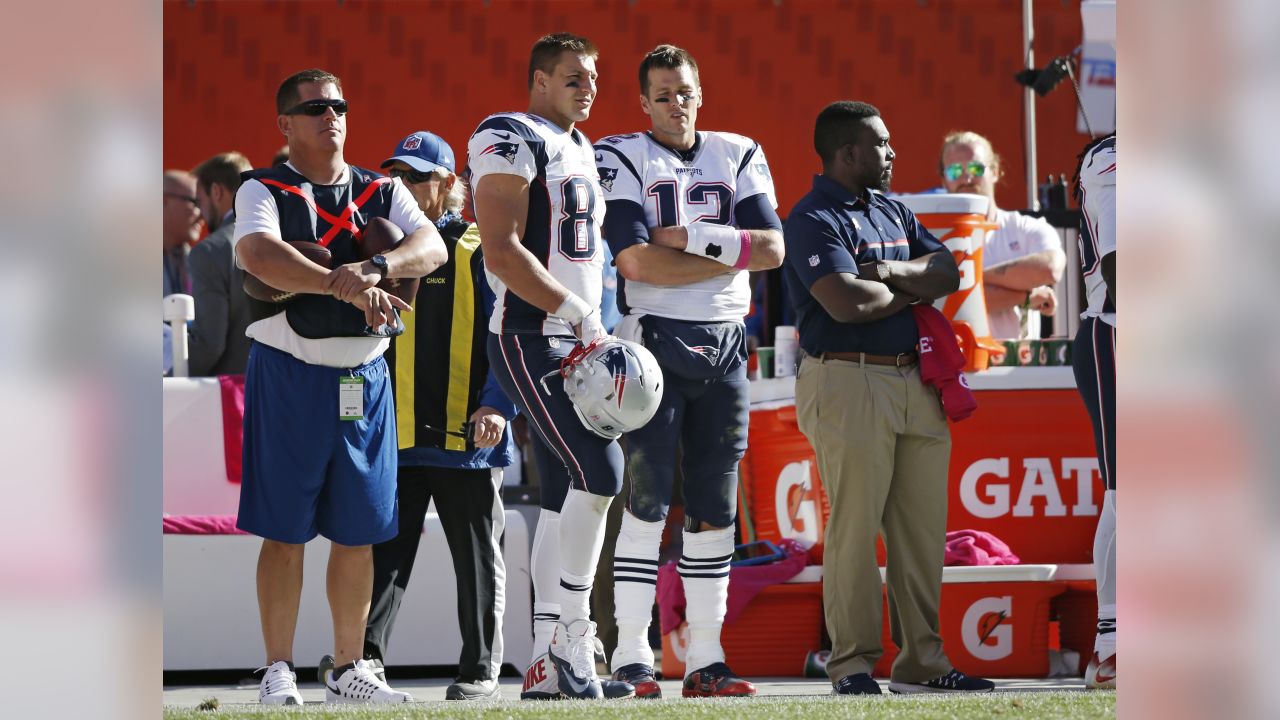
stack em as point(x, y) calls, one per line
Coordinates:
point(182, 226)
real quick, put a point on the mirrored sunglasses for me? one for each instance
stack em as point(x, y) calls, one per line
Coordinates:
point(953, 171)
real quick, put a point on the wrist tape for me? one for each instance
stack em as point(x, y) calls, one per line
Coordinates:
point(573, 309)
point(721, 243)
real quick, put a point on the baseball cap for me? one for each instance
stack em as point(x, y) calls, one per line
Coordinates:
point(423, 151)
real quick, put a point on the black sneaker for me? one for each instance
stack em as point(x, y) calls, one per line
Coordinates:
point(954, 681)
point(464, 689)
point(859, 684)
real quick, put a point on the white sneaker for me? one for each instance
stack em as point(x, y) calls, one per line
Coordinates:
point(279, 685)
point(573, 652)
point(357, 683)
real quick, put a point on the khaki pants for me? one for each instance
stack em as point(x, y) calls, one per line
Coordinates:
point(883, 447)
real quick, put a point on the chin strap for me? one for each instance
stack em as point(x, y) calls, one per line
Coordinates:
point(570, 361)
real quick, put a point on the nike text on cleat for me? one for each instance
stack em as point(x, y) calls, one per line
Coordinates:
point(953, 682)
point(541, 682)
point(573, 653)
point(357, 683)
point(1101, 674)
point(641, 677)
point(716, 680)
point(279, 685)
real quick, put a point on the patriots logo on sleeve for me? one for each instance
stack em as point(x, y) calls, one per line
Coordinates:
point(607, 176)
point(506, 150)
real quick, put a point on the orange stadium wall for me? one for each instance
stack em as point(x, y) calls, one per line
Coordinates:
point(767, 66)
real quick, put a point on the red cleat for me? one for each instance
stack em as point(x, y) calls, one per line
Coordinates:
point(1101, 674)
point(642, 678)
point(716, 680)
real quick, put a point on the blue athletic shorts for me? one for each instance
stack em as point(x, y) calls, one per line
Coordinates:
point(306, 472)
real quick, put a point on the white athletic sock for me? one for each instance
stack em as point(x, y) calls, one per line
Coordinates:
point(635, 579)
point(1104, 564)
point(704, 568)
point(582, 519)
point(544, 565)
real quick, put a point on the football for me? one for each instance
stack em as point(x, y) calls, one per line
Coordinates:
point(259, 290)
point(382, 236)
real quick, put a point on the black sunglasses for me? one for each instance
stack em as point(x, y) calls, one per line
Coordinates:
point(316, 108)
point(179, 196)
point(413, 176)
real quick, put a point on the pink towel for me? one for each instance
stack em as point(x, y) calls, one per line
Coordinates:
point(201, 525)
point(745, 583)
point(232, 423)
point(975, 547)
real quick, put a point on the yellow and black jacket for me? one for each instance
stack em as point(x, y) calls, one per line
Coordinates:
point(439, 367)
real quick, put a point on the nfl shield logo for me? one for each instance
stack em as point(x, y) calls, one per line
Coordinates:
point(412, 143)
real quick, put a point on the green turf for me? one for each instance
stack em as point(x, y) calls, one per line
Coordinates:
point(1000, 705)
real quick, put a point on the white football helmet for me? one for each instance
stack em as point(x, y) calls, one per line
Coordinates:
point(615, 386)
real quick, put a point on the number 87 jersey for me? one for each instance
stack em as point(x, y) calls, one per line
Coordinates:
point(566, 209)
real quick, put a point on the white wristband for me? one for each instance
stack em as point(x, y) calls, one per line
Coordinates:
point(573, 309)
point(718, 242)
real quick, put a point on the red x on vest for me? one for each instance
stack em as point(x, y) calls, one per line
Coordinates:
point(343, 221)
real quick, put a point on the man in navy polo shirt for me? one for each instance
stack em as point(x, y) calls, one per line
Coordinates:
point(855, 261)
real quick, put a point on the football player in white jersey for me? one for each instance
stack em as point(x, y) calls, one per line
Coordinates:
point(689, 213)
point(1094, 360)
point(539, 208)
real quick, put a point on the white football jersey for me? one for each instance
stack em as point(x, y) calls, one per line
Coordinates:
point(1098, 226)
point(565, 211)
point(703, 184)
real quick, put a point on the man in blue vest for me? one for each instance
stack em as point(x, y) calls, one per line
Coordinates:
point(319, 426)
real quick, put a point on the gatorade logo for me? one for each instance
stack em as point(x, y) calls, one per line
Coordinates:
point(796, 504)
point(1038, 491)
point(986, 630)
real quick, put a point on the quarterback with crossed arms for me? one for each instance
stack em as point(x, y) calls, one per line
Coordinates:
point(689, 213)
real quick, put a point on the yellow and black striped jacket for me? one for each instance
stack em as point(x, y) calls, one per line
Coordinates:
point(439, 365)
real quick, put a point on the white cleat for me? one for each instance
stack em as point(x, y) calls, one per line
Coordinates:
point(541, 681)
point(279, 685)
point(1101, 674)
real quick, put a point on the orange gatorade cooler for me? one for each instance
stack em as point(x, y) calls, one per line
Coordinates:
point(781, 495)
point(959, 221)
point(990, 629)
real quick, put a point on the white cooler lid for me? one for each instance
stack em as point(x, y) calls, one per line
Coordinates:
point(946, 203)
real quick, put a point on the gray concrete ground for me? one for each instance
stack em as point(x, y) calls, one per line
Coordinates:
point(433, 689)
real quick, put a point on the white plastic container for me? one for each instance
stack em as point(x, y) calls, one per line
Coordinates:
point(786, 349)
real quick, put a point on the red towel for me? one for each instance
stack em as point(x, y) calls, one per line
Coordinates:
point(745, 582)
point(232, 423)
point(942, 363)
point(975, 547)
